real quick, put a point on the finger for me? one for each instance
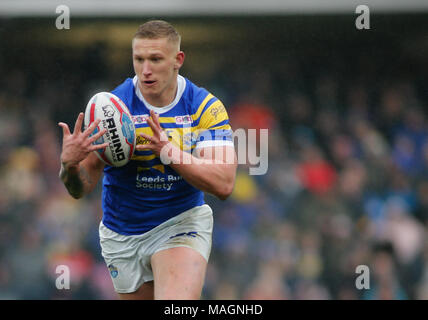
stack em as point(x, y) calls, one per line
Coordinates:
point(78, 125)
point(65, 129)
point(158, 121)
point(148, 137)
point(155, 117)
point(98, 146)
point(96, 136)
point(153, 126)
point(142, 147)
point(145, 146)
point(91, 128)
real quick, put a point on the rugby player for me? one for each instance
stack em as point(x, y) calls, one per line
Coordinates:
point(156, 229)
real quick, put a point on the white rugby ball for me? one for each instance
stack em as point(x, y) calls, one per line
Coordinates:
point(116, 118)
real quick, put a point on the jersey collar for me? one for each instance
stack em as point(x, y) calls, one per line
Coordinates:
point(181, 85)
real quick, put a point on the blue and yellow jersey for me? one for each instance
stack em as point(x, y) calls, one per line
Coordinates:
point(144, 193)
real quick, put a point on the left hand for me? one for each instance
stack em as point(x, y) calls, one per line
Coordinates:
point(159, 138)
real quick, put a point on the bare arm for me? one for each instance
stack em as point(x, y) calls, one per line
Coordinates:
point(80, 167)
point(82, 178)
point(213, 171)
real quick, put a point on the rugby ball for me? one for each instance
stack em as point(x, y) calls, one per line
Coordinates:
point(116, 118)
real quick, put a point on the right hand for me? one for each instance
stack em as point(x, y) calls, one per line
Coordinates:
point(76, 146)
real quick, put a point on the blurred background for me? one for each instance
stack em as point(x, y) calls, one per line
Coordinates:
point(346, 111)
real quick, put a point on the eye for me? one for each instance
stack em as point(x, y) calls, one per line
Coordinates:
point(138, 59)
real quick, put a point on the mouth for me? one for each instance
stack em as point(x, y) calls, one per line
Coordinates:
point(148, 83)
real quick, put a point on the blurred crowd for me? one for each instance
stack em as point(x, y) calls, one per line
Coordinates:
point(346, 187)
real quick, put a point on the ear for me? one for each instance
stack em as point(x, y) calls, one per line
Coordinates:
point(179, 60)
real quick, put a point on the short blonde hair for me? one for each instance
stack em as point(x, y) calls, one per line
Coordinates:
point(155, 29)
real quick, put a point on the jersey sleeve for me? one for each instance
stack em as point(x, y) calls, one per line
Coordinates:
point(213, 127)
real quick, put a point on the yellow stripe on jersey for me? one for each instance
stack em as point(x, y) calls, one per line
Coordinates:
point(201, 107)
point(215, 114)
point(167, 120)
point(158, 167)
point(146, 130)
point(143, 158)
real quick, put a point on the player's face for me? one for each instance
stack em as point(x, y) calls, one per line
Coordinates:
point(156, 64)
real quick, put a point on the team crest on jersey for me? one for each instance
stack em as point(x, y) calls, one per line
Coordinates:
point(113, 271)
point(215, 111)
point(141, 118)
point(183, 119)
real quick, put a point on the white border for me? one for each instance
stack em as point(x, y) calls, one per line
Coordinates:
point(138, 8)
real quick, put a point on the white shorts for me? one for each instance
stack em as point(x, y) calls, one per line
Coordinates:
point(128, 258)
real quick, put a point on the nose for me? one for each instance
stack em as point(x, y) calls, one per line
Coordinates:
point(147, 71)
